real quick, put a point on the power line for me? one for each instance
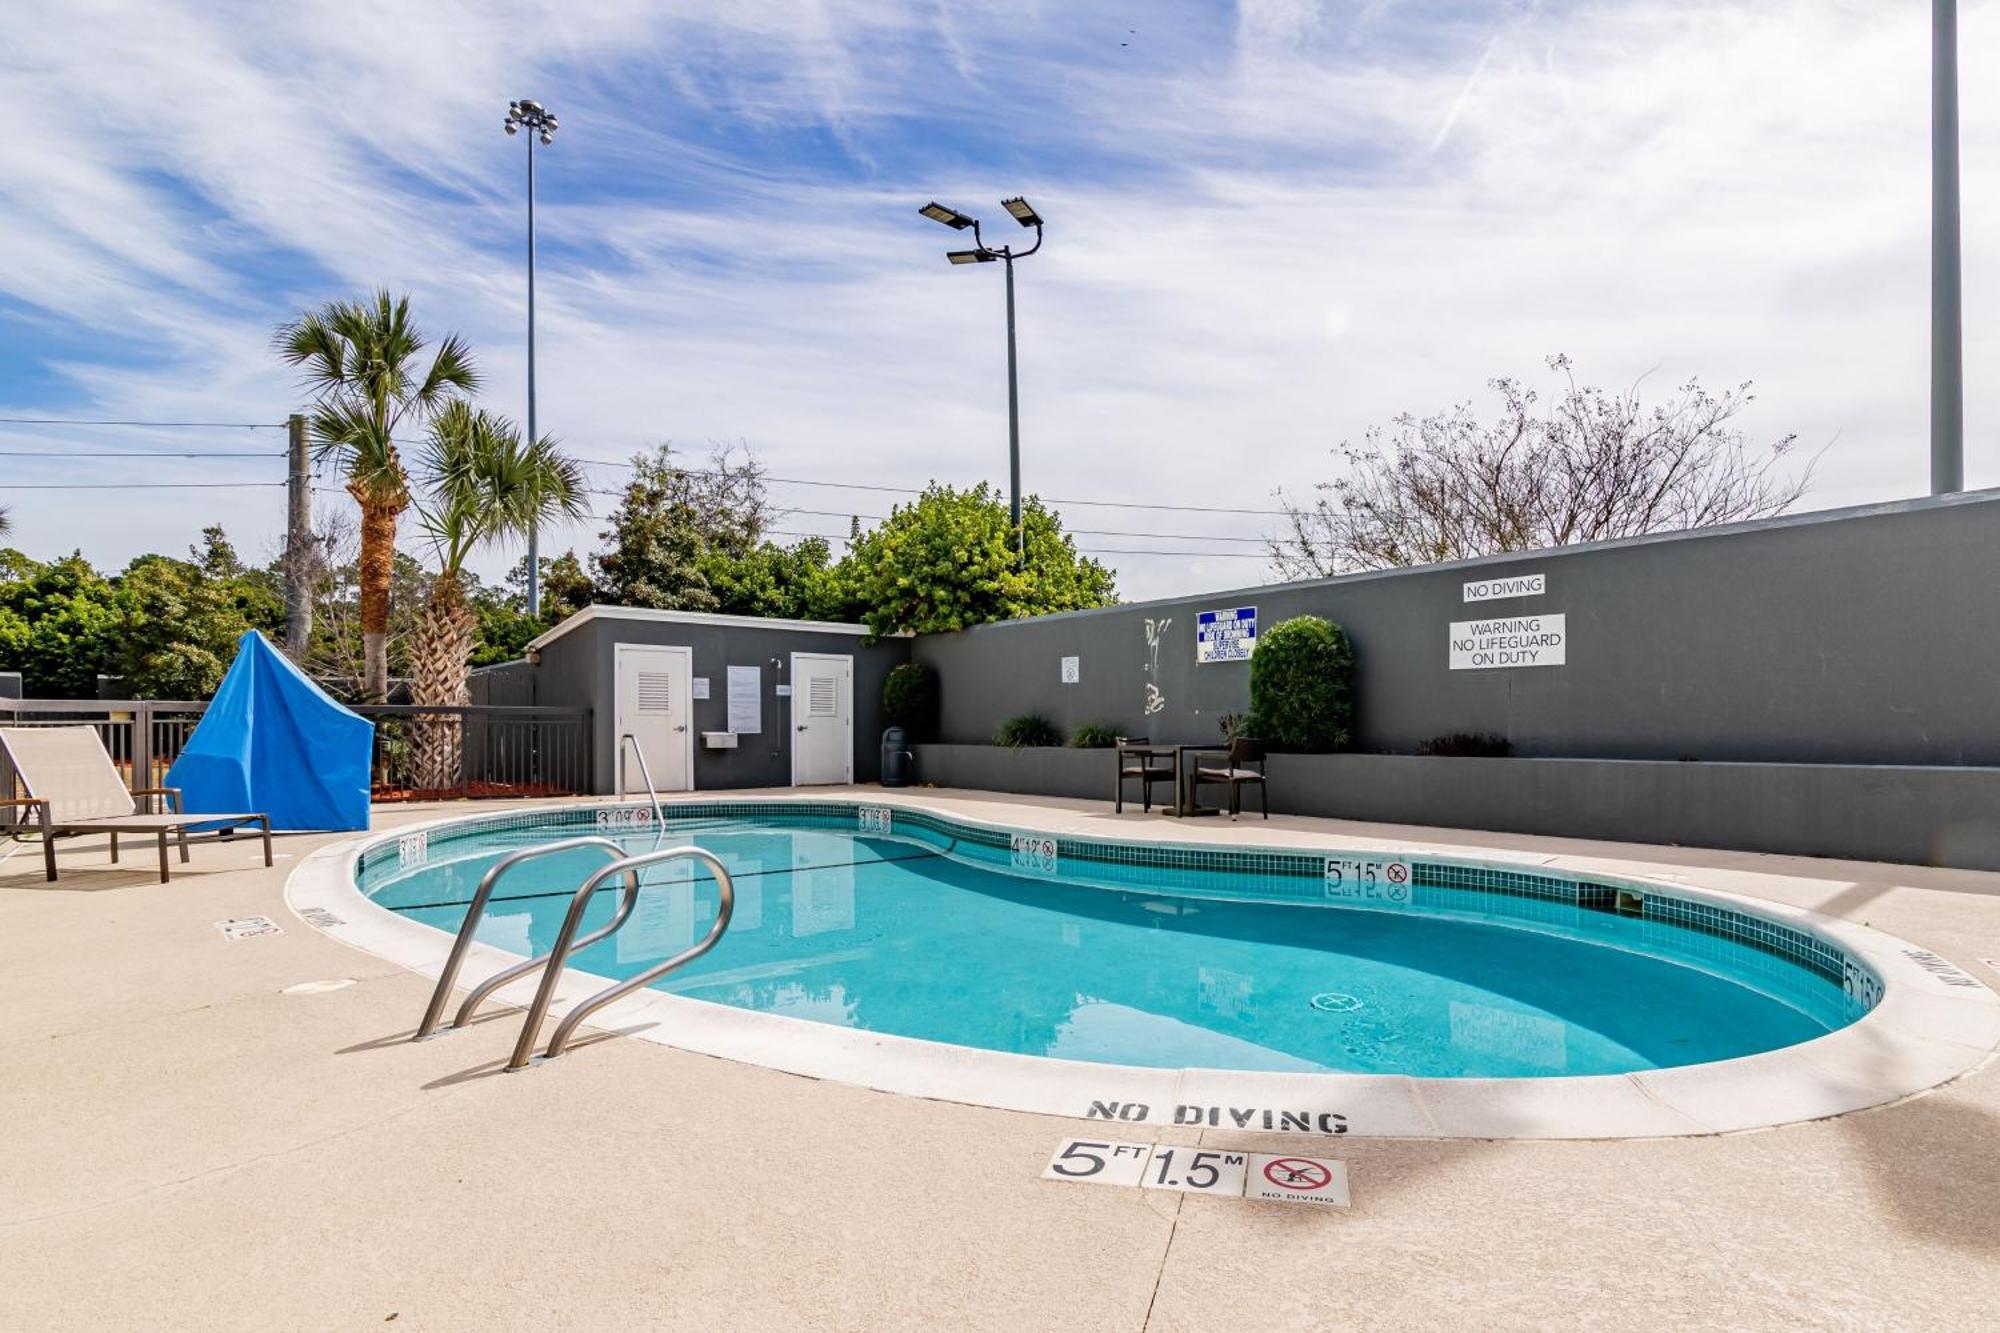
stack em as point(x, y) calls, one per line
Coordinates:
point(63, 453)
point(165, 425)
point(1075, 532)
point(131, 485)
point(915, 490)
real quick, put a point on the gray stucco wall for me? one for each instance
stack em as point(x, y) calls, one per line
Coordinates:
point(579, 669)
point(1948, 816)
point(1866, 636)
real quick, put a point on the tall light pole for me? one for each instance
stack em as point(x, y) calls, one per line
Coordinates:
point(982, 253)
point(540, 123)
point(1947, 347)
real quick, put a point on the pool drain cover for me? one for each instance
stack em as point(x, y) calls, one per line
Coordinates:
point(1333, 1002)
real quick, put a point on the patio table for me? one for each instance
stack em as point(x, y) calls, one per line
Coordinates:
point(1184, 806)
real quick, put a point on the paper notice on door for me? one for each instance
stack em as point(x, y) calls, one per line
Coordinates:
point(746, 700)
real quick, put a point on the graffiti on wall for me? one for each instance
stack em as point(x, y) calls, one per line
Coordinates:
point(1156, 633)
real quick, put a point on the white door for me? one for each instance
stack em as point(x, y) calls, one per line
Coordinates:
point(652, 706)
point(822, 719)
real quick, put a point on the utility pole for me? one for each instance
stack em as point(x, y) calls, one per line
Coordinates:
point(300, 558)
point(1947, 346)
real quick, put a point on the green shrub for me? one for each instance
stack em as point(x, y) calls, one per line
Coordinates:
point(1302, 686)
point(1090, 736)
point(1029, 729)
point(1467, 745)
point(910, 700)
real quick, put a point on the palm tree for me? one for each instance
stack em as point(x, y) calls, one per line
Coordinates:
point(6, 524)
point(481, 483)
point(361, 362)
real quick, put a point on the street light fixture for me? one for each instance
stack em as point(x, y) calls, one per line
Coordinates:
point(951, 217)
point(1022, 212)
point(540, 123)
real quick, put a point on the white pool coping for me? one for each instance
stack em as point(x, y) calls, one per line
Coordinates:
point(1933, 1023)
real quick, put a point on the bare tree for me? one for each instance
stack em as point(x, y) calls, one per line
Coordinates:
point(1590, 466)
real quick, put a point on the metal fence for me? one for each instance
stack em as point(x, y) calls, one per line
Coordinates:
point(493, 751)
point(499, 751)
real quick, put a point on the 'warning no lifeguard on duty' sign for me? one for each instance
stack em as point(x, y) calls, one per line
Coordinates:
point(1509, 641)
point(1225, 636)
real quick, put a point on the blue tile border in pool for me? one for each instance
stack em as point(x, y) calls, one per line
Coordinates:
point(1207, 871)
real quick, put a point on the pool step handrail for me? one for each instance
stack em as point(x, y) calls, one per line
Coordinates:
point(659, 815)
point(475, 911)
point(567, 943)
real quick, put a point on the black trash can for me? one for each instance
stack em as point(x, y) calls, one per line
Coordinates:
point(897, 761)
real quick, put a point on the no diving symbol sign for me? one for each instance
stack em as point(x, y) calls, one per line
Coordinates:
point(1297, 1173)
point(1297, 1180)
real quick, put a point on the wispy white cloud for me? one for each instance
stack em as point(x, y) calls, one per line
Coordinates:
point(1272, 226)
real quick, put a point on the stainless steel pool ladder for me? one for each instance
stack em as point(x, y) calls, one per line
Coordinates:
point(659, 815)
point(567, 943)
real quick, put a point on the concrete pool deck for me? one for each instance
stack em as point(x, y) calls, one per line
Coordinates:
point(191, 1146)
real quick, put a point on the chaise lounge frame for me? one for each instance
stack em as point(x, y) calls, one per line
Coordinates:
point(73, 787)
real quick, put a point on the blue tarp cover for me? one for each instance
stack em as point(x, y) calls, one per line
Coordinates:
point(273, 743)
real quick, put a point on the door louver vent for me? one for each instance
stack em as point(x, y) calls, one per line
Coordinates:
point(820, 697)
point(656, 692)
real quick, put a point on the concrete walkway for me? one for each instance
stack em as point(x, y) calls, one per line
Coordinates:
point(190, 1146)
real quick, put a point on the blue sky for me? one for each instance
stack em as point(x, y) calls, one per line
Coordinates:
point(1273, 225)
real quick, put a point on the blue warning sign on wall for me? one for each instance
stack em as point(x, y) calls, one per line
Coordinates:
point(1225, 636)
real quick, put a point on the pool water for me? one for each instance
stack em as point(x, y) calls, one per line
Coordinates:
point(897, 936)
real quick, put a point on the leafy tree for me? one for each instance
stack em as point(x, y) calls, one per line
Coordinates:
point(71, 626)
point(362, 362)
point(1302, 686)
point(177, 628)
point(1590, 466)
point(799, 582)
point(672, 525)
point(258, 594)
point(482, 483)
point(946, 561)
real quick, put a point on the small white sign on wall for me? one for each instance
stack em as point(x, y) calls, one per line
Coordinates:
point(698, 687)
point(1513, 585)
point(746, 700)
point(1072, 670)
point(1512, 641)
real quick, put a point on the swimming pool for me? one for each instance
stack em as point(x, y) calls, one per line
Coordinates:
point(920, 926)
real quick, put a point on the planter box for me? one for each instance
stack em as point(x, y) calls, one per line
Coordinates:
point(1033, 771)
point(1946, 816)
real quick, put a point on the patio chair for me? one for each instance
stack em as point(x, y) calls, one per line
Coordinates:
point(1239, 774)
point(73, 788)
point(1136, 763)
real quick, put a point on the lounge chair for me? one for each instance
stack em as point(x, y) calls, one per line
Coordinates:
point(73, 788)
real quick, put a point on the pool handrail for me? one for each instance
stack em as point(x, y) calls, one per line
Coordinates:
point(566, 944)
point(475, 911)
point(659, 814)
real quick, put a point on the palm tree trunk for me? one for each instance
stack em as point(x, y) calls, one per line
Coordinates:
point(378, 566)
point(438, 675)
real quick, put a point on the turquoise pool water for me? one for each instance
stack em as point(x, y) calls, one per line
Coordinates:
point(923, 937)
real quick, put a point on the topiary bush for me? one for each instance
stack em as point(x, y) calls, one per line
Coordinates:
point(1090, 736)
point(1029, 729)
point(1302, 686)
point(910, 700)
